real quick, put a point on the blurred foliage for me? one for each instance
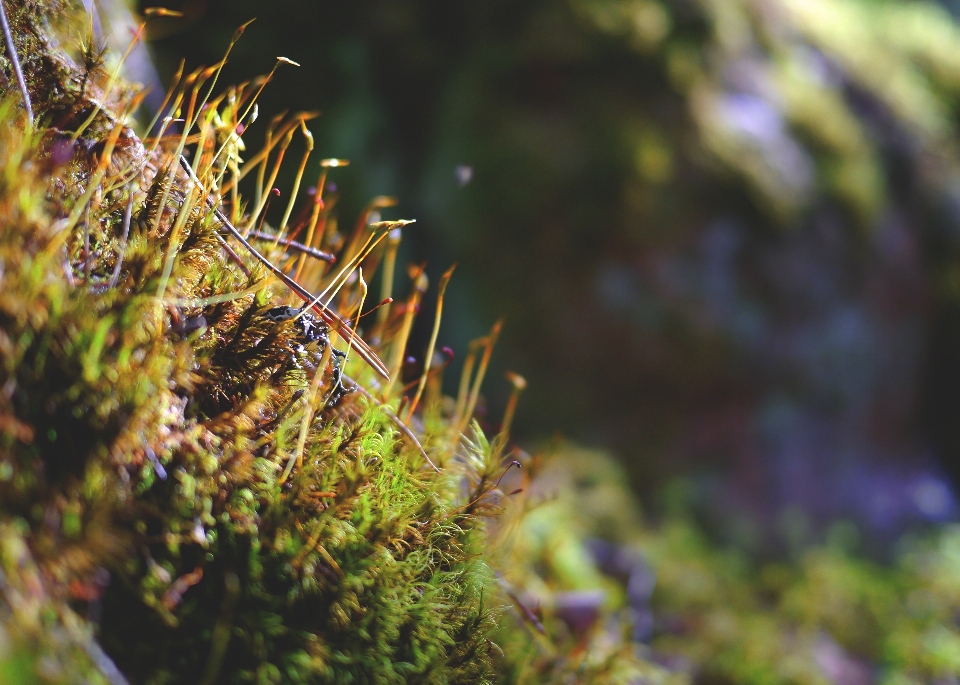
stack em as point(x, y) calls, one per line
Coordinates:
point(789, 96)
point(583, 557)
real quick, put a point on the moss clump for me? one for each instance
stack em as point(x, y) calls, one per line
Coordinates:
point(185, 471)
point(200, 481)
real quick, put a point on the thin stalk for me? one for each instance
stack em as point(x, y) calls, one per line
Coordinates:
point(313, 239)
point(170, 91)
point(173, 238)
point(293, 244)
point(273, 177)
point(86, 246)
point(399, 343)
point(296, 183)
point(386, 283)
point(314, 218)
point(519, 383)
point(441, 290)
point(380, 202)
point(234, 162)
point(168, 182)
point(329, 317)
point(223, 62)
point(12, 53)
point(465, 375)
point(363, 297)
point(187, 205)
point(167, 120)
point(258, 161)
point(217, 299)
point(253, 102)
point(297, 457)
point(262, 159)
point(280, 60)
point(380, 230)
point(127, 213)
point(481, 372)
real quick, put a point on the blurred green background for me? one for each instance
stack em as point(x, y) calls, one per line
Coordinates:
point(724, 233)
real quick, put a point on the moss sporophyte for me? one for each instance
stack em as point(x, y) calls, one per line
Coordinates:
point(206, 474)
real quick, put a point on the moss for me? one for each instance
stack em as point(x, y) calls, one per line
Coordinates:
point(193, 487)
point(151, 407)
point(196, 486)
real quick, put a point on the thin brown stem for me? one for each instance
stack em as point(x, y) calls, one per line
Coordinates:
point(293, 244)
point(127, 212)
point(12, 53)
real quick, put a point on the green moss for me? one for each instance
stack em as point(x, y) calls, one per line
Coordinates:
point(145, 458)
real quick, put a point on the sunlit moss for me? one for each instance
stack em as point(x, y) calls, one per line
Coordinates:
point(151, 414)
